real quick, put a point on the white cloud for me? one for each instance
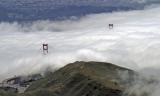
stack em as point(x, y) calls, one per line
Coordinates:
point(134, 42)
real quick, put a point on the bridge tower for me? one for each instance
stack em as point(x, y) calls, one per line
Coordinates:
point(45, 49)
point(111, 26)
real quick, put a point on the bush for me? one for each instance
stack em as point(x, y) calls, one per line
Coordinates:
point(4, 93)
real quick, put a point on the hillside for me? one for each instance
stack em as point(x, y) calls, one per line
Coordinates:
point(31, 10)
point(84, 79)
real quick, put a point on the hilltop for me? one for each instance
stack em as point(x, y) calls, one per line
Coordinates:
point(83, 79)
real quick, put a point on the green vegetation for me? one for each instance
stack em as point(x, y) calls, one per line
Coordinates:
point(4, 93)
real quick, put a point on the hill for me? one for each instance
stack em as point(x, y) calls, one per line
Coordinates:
point(84, 79)
point(87, 79)
point(31, 10)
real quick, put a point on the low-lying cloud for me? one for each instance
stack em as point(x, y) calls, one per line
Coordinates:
point(134, 42)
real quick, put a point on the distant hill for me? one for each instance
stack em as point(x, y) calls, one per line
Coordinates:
point(65, 12)
point(31, 10)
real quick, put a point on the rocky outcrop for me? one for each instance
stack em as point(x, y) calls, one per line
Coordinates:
point(19, 84)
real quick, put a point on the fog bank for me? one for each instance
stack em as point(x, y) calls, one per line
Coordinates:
point(133, 43)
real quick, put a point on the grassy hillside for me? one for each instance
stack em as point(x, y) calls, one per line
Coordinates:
point(4, 93)
point(83, 79)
